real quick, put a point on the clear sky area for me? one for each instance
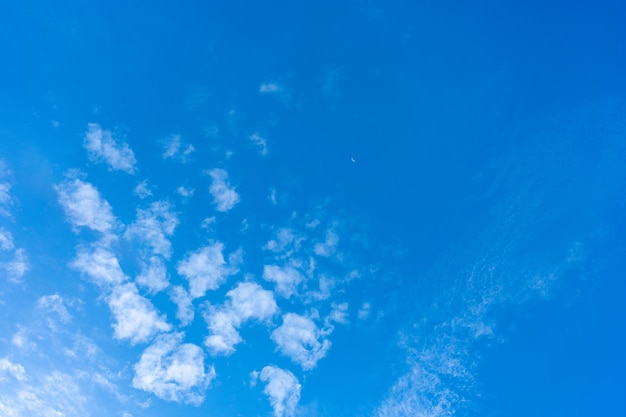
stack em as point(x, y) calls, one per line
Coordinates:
point(331, 208)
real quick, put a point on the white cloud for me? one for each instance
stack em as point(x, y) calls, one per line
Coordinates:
point(137, 320)
point(6, 239)
point(54, 303)
point(173, 371)
point(286, 279)
point(270, 87)
point(175, 149)
point(299, 339)
point(364, 311)
point(183, 301)
point(84, 206)
point(329, 246)
point(287, 242)
point(185, 192)
point(224, 196)
point(102, 147)
point(5, 190)
point(14, 369)
point(205, 269)
point(283, 390)
point(259, 141)
point(153, 226)
point(100, 265)
point(18, 266)
point(153, 275)
point(247, 301)
point(142, 190)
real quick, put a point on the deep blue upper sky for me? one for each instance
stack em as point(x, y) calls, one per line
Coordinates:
point(352, 208)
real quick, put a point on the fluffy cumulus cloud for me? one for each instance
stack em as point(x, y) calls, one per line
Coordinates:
point(102, 147)
point(136, 319)
point(173, 370)
point(224, 195)
point(174, 148)
point(205, 269)
point(282, 389)
point(246, 301)
point(183, 301)
point(286, 279)
point(84, 207)
point(153, 227)
point(301, 340)
point(153, 275)
point(100, 265)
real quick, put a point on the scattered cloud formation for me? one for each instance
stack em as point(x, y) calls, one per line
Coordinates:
point(84, 207)
point(153, 275)
point(173, 371)
point(174, 148)
point(301, 340)
point(247, 300)
point(136, 318)
point(224, 195)
point(102, 147)
point(283, 390)
point(205, 269)
point(14, 369)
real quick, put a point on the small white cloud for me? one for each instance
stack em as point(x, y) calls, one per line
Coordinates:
point(153, 275)
point(272, 196)
point(84, 207)
point(329, 246)
point(247, 301)
point(54, 303)
point(364, 311)
point(283, 390)
point(102, 147)
point(224, 196)
point(338, 314)
point(142, 190)
point(259, 141)
point(14, 369)
point(205, 269)
point(17, 267)
point(185, 192)
point(136, 319)
point(254, 376)
point(5, 189)
point(174, 148)
point(153, 227)
point(6, 239)
point(100, 265)
point(299, 339)
point(183, 301)
point(173, 371)
point(270, 87)
point(286, 279)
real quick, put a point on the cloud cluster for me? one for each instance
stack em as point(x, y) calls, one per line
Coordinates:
point(300, 339)
point(283, 390)
point(224, 195)
point(247, 301)
point(102, 147)
point(205, 269)
point(173, 370)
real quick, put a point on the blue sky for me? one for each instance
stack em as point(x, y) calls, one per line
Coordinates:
point(284, 209)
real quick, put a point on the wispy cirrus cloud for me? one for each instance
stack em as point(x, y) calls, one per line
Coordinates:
point(224, 195)
point(300, 339)
point(101, 147)
point(246, 301)
point(173, 370)
point(282, 388)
